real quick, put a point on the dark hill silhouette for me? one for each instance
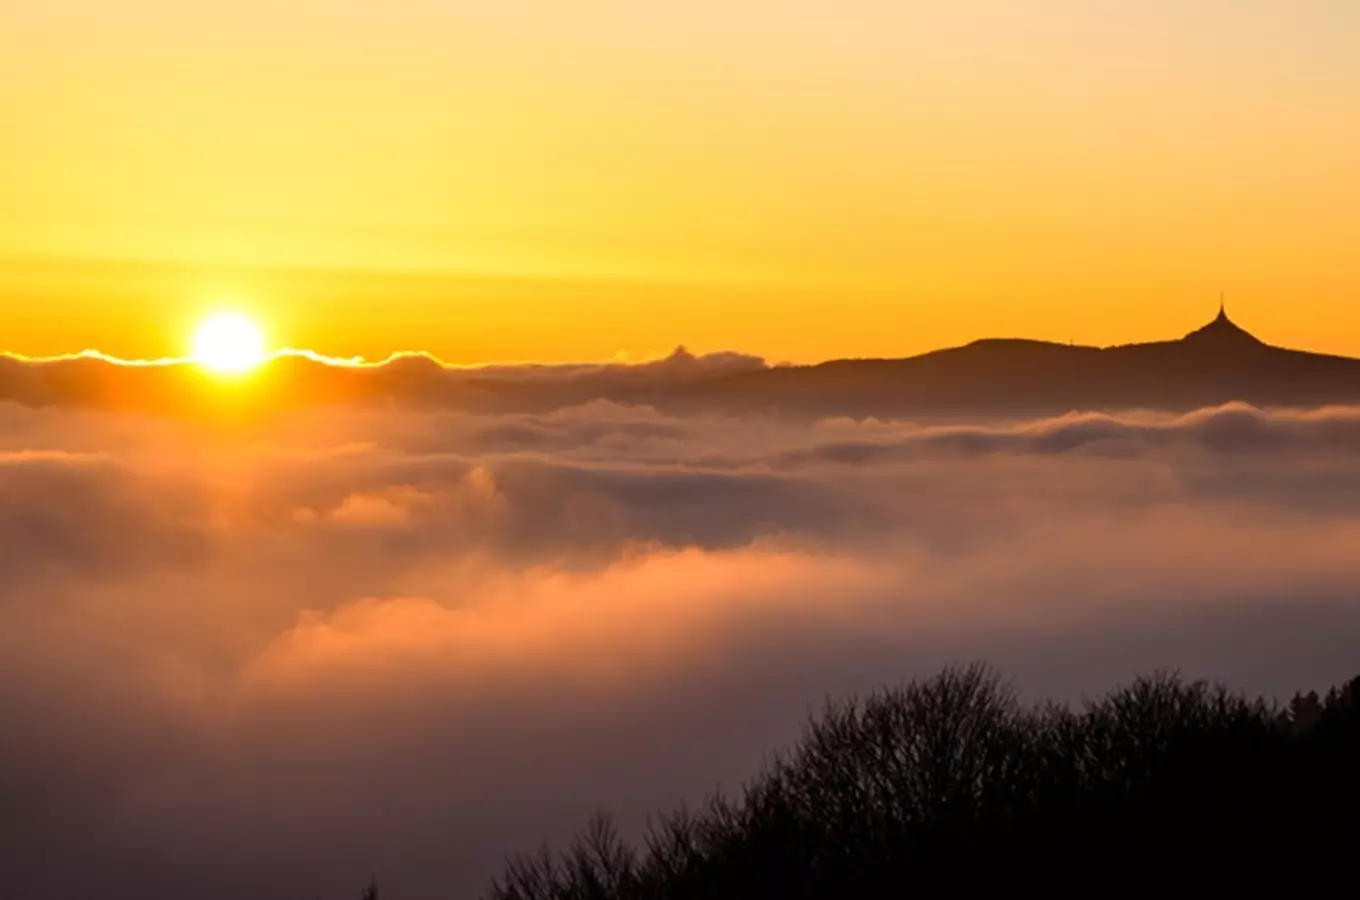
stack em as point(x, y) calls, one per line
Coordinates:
point(1216, 364)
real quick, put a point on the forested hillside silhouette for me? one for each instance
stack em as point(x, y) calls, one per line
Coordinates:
point(953, 784)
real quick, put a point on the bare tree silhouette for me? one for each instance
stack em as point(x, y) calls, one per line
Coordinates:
point(952, 783)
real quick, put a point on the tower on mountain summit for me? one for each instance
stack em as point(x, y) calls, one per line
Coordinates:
point(1222, 330)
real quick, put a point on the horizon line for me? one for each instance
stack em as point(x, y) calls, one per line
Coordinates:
point(354, 362)
point(681, 350)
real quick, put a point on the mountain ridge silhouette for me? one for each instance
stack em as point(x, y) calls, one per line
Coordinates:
point(1215, 364)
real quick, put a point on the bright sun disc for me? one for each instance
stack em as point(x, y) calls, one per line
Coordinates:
point(229, 342)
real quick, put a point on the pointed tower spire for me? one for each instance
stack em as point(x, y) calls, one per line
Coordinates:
point(1222, 328)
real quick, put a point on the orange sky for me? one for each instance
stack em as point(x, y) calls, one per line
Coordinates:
point(533, 179)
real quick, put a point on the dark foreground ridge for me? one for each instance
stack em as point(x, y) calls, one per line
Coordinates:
point(951, 785)
point(1217, 364)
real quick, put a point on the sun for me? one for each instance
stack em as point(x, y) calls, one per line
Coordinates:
point(229, 342)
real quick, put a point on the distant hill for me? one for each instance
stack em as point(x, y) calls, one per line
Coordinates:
point(1215, 364)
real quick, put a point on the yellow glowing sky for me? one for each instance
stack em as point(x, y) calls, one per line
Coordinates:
point(538, 179)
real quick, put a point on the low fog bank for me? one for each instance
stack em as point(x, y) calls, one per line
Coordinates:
point(407, 644)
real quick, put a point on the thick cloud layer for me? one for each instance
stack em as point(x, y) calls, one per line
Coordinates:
point(273, 662)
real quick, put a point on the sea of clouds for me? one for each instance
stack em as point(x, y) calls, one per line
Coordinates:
point(273, 662)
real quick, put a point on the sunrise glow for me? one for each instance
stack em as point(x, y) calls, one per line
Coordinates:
point(229, 343)
point(556, 182)
point(819, 432)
